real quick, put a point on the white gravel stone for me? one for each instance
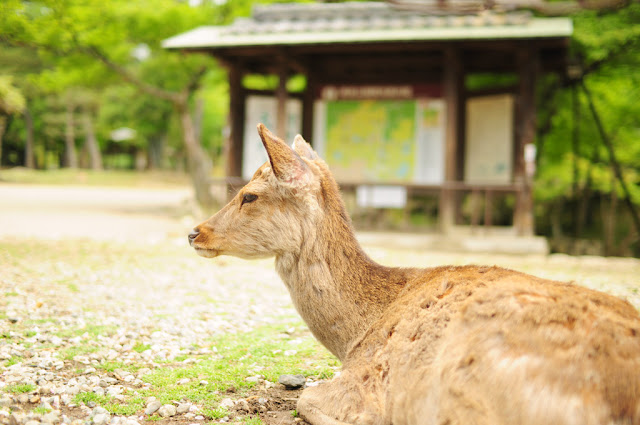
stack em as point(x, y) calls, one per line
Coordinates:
point(152, 407)
point(183, 408)
point(101, 419)
point(227, 403)
point(167, 410)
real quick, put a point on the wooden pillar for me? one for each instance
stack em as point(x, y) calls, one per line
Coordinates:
point(307, 108)
point(235, 141)
point(525, 133)
point(282, 96)
point(453, 92)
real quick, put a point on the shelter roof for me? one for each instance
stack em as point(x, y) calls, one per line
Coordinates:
point(289, 24)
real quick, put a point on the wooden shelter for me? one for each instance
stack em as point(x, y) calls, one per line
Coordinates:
point(429, 101)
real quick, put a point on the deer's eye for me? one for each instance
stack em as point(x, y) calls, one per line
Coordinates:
point(248, 198)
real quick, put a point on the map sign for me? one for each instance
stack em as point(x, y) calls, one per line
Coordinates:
point(370, 140)
point(382, 140)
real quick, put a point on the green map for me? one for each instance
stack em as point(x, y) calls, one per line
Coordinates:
point(371, 140)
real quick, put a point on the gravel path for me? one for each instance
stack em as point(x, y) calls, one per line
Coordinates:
point(99, 293)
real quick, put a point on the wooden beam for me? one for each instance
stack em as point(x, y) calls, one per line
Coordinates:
point(234, 144)
point(282, 97)
point(308, 102)
point(453, 92)
point(528, 65)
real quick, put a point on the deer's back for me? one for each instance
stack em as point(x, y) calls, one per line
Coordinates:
point(485, 345)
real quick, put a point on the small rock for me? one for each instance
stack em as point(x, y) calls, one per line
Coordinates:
point(167, 410)
point(199, 418)
point(34, 399)
point(91, 404)
point(5, 401)
point(46, 406)
point(23, 398)
point(292, 382)
point(101, 419)
point(256, 378)
point(32, 422)
point(184, 381)
point(13, 420)
point(290, 353)
point(227, 403)
point(183, 408)
point(243, 406)
point(51, 418)
point(152, 407)
point(203, 382)
point(98, 410)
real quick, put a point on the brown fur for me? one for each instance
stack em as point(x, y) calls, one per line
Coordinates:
point(446, 345)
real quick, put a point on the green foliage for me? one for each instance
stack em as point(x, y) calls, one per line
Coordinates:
point(11, 99)
point(573, 154)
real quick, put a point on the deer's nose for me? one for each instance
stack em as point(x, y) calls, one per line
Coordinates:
point(193, 235)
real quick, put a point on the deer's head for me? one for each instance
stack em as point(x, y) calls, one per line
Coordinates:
point(269, 215)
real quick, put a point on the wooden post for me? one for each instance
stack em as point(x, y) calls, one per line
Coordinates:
point(307, 108)
point(234, 145)
point(453, 92)
point(282, 96)
point(488, 209)
point(525, 133)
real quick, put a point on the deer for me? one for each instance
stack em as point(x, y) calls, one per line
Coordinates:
point(445, 345)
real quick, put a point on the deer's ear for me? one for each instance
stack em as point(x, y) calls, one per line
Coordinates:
point(285, 162)
point(303, 148)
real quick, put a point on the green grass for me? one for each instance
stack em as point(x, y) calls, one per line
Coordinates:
point(111, 366)
point(70, 352)
point(13, 360)
point(92, 330)
point(240, 356)
point(20, 388)
point(41, 410)
point(128, 408)
point(86, 397)
point(217, 413)
point(253, 420)
point(140, 347)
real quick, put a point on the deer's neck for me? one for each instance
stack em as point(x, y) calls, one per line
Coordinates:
point(337, 289)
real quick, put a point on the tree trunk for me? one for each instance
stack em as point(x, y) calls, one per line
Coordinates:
point(29, 160)
point(198, 114)
point(198, 162)
point(157, 152)
point(70, 156)
point(91, 143)
point(3, 127)
point(615, 165)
